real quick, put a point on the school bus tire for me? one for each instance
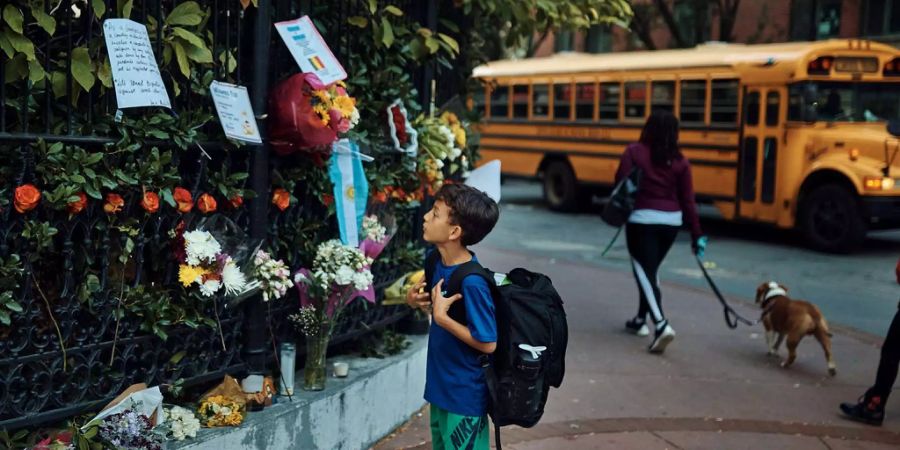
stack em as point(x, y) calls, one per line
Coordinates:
point(831, 219)
point(560, 186)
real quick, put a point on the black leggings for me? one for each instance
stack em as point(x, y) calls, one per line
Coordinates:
point(890, 359)
point(648, 246)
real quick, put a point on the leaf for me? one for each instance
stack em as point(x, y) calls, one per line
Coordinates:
point(16, 68)
point(373, 6)
point(181, 57)
point(191, 38)
point(388, 37)
point(450, 41)
point(104, 74)
point(450, 25)
point(22, 44)
point(432, 44)
point(82, 69)
point(393, 10)
point(44, 20)
point(4, 318)
point(166, 195)
point(14, 18)
point(35, 71)
point(187, 13)
point(358, 21)
point(424, 32)
point(232, 62)
point(13, 306)
point(99, 8)
point(92, 191)
point(198, 54)
point(58, 83)
point(6, 46)
point(176, 358)
point(124, 8)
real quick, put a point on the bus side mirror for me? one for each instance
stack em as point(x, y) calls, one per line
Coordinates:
point(893, 127)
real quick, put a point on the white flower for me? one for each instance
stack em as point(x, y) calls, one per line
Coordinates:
point(447, 133)
point(344, 275)
point(182, 423)
point(200, 247)
point(354, 118)
point(210, 287)
point(439, 164)
point(234, 280)
point(455, 153)
point(373, 229)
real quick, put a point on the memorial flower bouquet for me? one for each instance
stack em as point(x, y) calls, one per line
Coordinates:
point(220, 411)
point(338, 274)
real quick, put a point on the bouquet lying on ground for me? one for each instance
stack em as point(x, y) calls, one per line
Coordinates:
point(129, 430)
point(220, 411)
point(179, 423)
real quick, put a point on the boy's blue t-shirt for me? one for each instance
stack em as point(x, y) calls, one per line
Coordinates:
point(454, 378)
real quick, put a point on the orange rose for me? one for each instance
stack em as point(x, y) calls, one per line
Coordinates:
point(206, 203)
point(281, 199)
point(381, 197)
point(114, 203)
point(27, 198)
point(236, 201)
point(183, 199)
point(150, 202)
point(79, 205)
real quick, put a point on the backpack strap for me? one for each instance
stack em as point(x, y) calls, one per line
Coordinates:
point(430, 265)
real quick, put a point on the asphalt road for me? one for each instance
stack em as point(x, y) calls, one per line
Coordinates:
point(858, 290)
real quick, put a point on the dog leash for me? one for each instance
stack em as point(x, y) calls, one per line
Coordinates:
point(731, 316)
point(612, 241)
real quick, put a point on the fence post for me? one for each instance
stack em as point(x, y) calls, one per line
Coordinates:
point(255, 350)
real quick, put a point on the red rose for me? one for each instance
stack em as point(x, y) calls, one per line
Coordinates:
point(281, 199)
point(26, 198)
point(206, 204)
point(327, 199)
point(114, 203)
point(236, 201)
point(150, 202)
point(78, 205)
point(183, 199)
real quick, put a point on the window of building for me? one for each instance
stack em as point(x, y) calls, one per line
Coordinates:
point(598, 39)
point(609, 101)
point(500, 102)
point(881, 17)
point(663, 97)
point(562, 101)
point(563, 41)
point(540, 101)
point(692, 19)
point(584, 101)
point(693, 101)
point(724, 102)
point(635, 99)
point(520, 102)
point(816, 19)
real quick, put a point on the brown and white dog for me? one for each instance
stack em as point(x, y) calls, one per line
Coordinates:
point(795, 319)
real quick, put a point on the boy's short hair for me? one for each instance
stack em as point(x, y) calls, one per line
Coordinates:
point(471, 209)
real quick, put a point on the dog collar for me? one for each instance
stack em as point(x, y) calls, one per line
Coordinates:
point(774, 292)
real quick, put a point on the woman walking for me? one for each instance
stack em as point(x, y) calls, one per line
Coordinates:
point(665, 199)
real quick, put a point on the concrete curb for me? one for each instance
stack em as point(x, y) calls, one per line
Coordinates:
point(378, 396)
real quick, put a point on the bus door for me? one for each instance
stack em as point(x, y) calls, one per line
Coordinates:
point(763, 138)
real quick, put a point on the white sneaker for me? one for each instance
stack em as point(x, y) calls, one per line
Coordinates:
point(644, 330)
point(662, 339)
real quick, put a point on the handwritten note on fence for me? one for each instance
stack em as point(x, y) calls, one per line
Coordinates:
point(135, 73)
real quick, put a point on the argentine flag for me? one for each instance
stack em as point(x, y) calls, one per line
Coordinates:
point(351, 189)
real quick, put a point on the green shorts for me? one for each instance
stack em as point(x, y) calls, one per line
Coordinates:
point(455, 432)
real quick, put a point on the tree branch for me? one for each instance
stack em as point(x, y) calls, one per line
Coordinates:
point(669, 19)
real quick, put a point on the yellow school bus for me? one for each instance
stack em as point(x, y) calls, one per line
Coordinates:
point(793, 135)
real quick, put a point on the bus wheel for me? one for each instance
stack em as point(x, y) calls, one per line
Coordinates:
point(831, 220)
point(560, 187)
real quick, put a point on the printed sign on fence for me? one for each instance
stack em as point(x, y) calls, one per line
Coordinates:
point(310, 50)
point(134, 70)
point(235, 112)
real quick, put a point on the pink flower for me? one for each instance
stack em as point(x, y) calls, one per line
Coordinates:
point(314, 81)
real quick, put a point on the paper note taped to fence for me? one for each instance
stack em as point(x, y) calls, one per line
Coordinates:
point(310, 50)
point(235, 112)
point(134, 70)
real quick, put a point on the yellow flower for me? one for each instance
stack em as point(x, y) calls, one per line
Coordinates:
point(345, 105)
point(323, 96)
point(460, 135)
point(322, 111)
point(189, 274)
point(449, 118)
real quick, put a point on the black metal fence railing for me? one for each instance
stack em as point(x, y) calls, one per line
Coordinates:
point(71, 348)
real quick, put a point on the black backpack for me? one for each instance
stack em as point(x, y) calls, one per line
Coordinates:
point(528, 311)
point(621, 201)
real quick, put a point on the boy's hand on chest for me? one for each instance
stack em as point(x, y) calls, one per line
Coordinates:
point(441, 303)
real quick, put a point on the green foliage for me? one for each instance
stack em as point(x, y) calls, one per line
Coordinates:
point(10, 277)
point(158, 310)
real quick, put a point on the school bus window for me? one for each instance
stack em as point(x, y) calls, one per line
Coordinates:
point(724, 102)
point(773, 108)
point(609, 101)
point(635, 99)
point(499, 102)
point(752, 108)
point(478, 102)
point(540, 101)
point(663, 95)
point(693, 101)
point(520, 102)
point(770, 155)
point(562, 101)
point(748, 169)
point(584, 101)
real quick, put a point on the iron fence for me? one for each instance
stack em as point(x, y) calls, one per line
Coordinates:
point(66, 352)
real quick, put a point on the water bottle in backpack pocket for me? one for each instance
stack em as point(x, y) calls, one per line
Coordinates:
point(521, 391)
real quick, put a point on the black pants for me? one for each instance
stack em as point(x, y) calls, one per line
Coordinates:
point(648, 246)
point(890, 359)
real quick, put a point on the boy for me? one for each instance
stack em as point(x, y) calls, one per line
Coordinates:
point(454, 380)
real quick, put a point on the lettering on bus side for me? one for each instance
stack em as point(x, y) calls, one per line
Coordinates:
point(582, 132)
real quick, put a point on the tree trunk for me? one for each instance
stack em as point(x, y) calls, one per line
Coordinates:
point(727, 12)
point(640, 26)
point(669, 18)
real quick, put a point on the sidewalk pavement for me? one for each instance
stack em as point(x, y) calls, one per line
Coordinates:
point(714, 388)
